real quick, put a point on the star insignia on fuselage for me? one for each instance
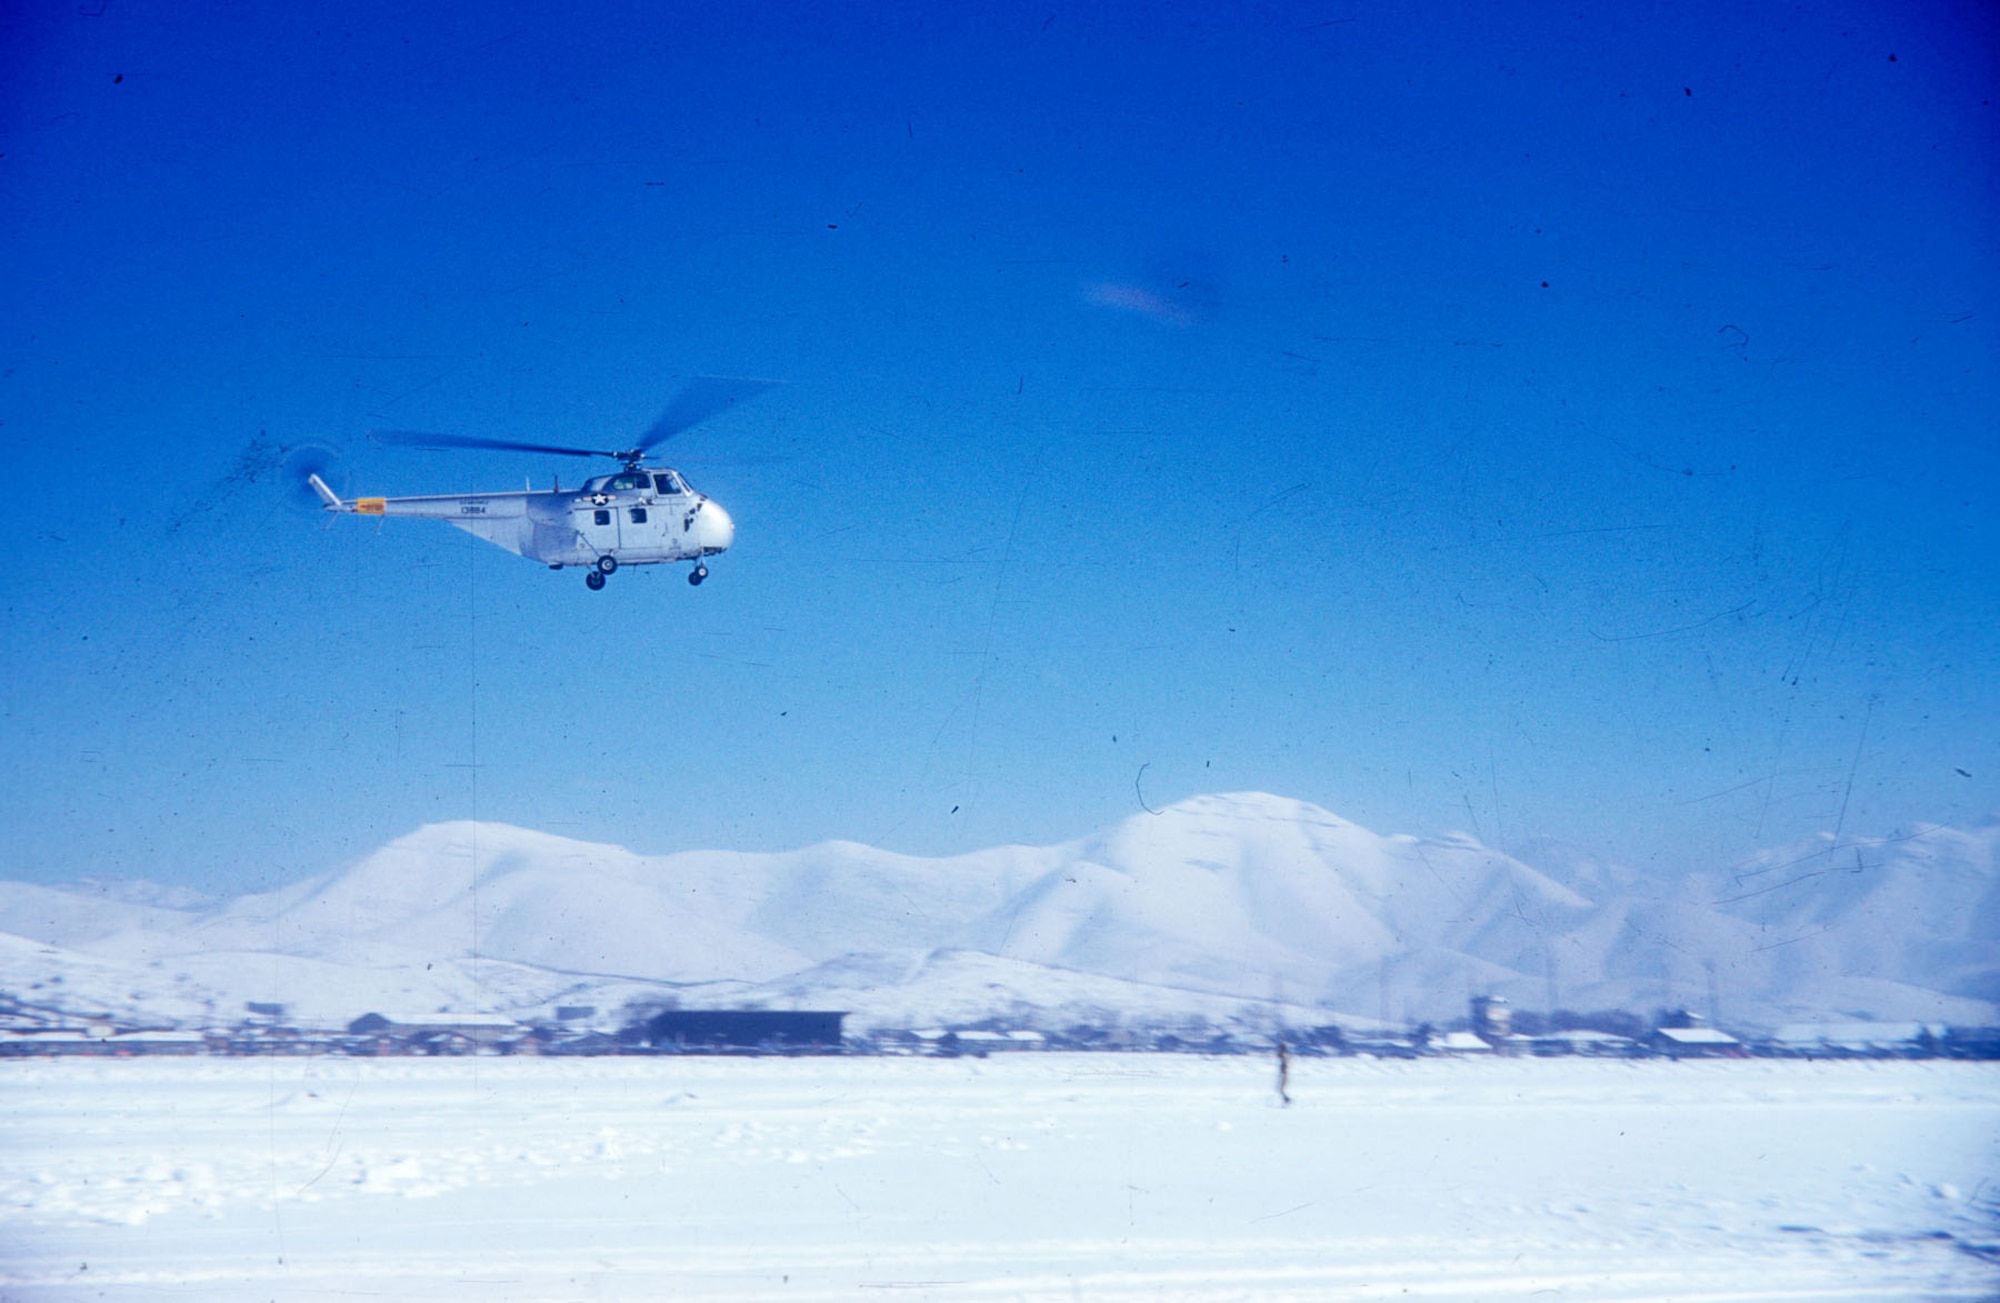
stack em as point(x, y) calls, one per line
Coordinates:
point(600, 499)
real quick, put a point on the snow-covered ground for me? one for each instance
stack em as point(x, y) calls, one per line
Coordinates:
point(1032, 1176)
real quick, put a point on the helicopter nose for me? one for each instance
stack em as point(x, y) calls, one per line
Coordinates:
point(718, 531)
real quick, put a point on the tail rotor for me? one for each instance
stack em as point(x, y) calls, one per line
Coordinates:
point(299, 463)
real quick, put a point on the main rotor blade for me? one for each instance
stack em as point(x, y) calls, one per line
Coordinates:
point(703, 397)
point(423, 439)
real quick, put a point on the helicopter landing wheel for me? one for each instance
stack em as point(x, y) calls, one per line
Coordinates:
point(696, 575)
point(606, 564)
point(594, 580)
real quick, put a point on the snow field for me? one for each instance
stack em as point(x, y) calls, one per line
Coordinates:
point(1031, 1176)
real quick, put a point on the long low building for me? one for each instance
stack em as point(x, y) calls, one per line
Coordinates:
point(480, 1028)
point(1859, 1039)
point(73, 1040)
point(1695, 1043)
point(713, 1030)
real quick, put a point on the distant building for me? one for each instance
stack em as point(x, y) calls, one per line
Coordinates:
point(1460, 1043)
point(1589, 1044)
point(1972, 1042)
point(158, 1042)
point(53, 1040)
point(1492, 1018)
point(582, 1043)
point(1003, 1040)
point(712, 1031)
point(100, 1039)
point(435, 1033)
point(1695, 1043)
point(269, 1038)
point(1859, 1040)
point(931, 1040)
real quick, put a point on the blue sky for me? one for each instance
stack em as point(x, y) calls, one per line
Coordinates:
point(1493, 418)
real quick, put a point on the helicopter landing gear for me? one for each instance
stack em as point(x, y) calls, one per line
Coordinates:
point(594, 580)
point(696, 575)
point(606, 564)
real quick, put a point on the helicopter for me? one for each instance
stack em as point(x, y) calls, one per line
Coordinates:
point(640, 515)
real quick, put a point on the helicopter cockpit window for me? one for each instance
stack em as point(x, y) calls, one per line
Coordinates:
point(668, 482)
point(631, 482)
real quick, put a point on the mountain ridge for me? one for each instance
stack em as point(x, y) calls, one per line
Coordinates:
point(1231, 906)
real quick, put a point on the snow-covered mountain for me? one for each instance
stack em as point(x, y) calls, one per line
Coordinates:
point(1243, 907)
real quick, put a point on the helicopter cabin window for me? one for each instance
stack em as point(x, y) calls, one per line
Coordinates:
point(638, 515)
point(668, 482)
point(602, 516)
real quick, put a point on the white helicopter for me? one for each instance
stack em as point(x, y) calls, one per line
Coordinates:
point(642, 515)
